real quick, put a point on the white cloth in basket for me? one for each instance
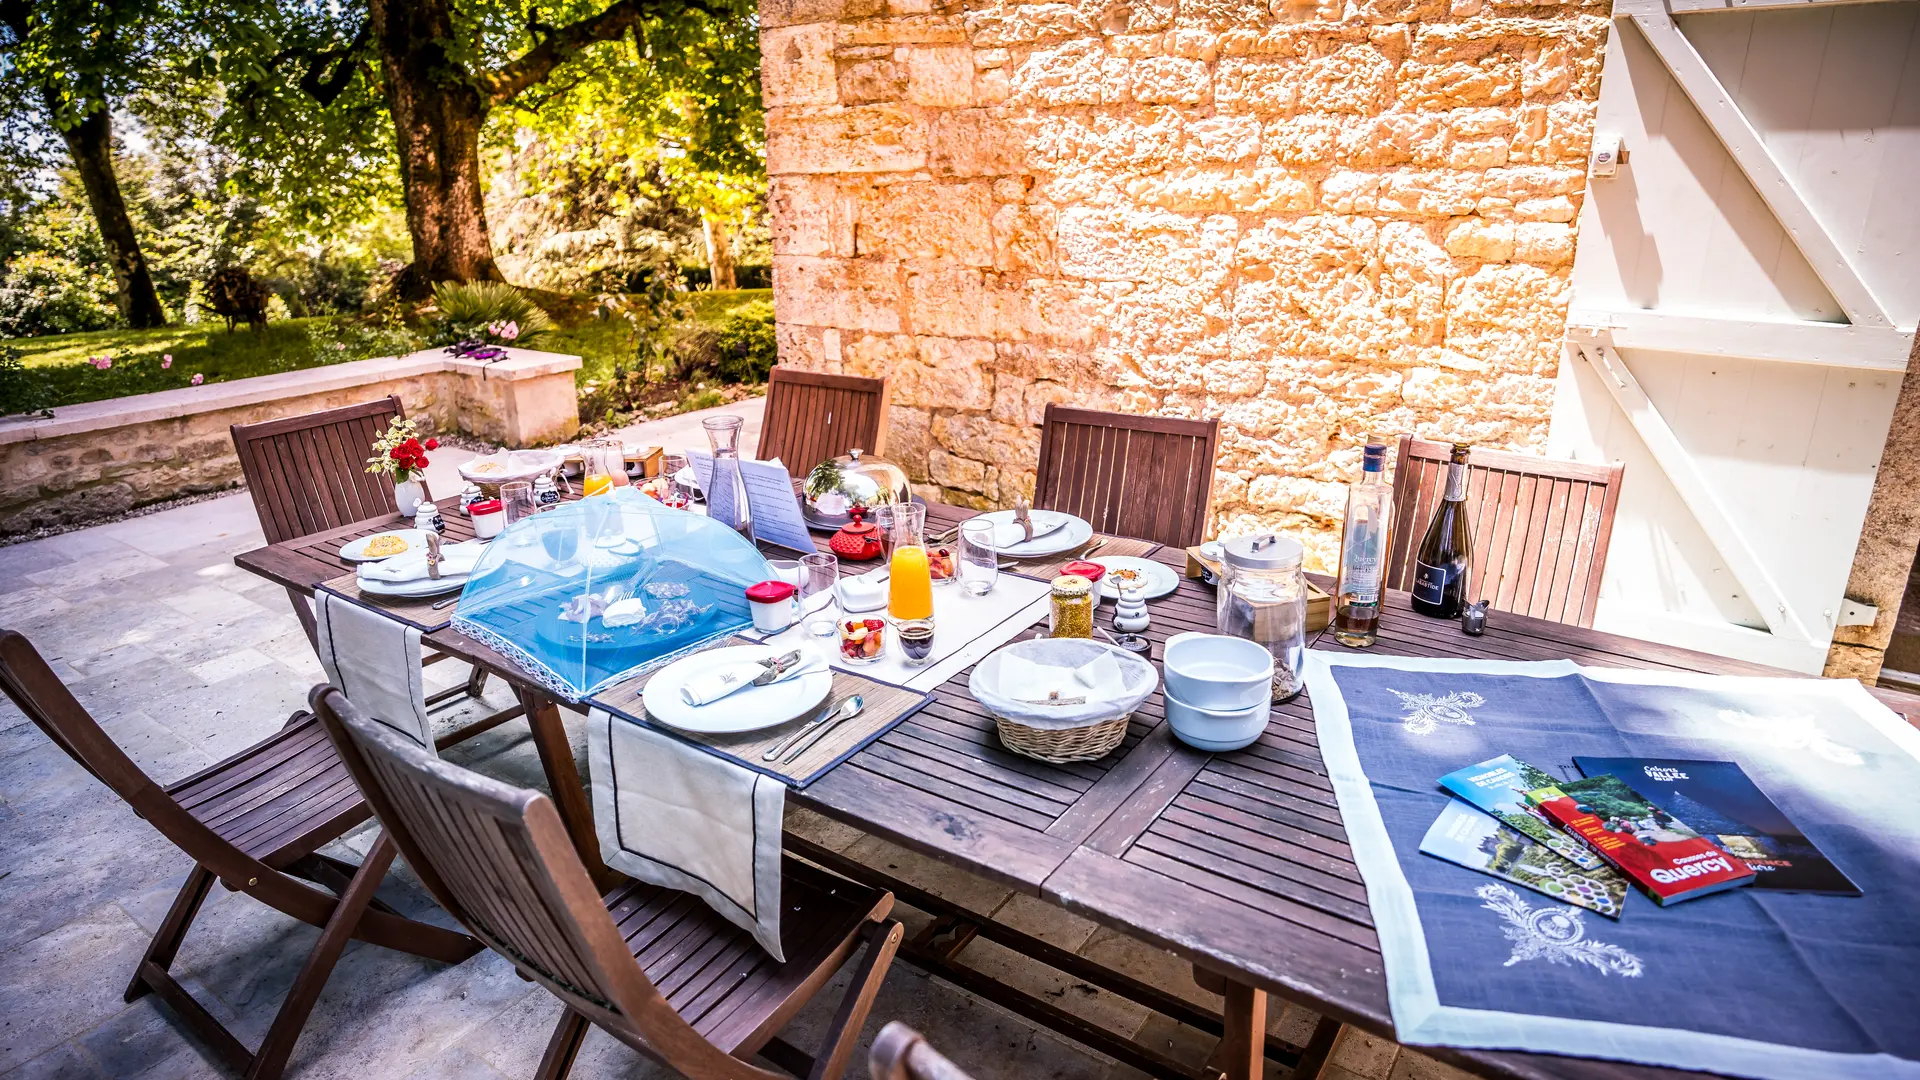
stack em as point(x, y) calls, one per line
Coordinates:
point(1097, 680)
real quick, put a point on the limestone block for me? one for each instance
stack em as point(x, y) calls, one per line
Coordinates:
point(810, 215)
point(1543, 242)
point(1510, 314)
point(925, 220)
point(1534, 181)
point(1023, 238)
point(796, 65)
point(948, 373)
point(802, 346)
point(792, 12)
point(1302, 141)
point(1397, 138)
point(1074, 73)
point(952, 471)
point(1420, 192)
point(1026, 24)
point(1551, 208)
point(991, 87)
point(877, 356)
point(972, 142)
point(938, 75)
point(1227, 190)
point(948, 301)
point(1168, 80)
point(1355, 79)
point(1137, 245)
point(908, 440)
point(1192, 44)
point(1396, 11)
point(1221, 139)
point(1492, 81)
point(1474, 238)
point(861, 294)
point(903, 30)
point(865, 139)
point(980, 437)
point(1547, 70)
point(865, 80)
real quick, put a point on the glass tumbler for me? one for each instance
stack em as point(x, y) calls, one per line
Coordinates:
point(516, 499)
point(979, 562)
point(676, 494)
point(819, 596)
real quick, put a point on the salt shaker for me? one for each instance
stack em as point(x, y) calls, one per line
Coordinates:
point(468, 496)
point(428, 519)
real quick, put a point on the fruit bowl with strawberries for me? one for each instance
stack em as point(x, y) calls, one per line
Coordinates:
point(862, 641)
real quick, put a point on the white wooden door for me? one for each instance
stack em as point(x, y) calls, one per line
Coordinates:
point(1744, 296)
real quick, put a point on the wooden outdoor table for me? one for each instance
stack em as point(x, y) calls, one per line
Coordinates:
point(1237, 862)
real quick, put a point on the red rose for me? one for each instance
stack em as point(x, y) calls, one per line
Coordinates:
point(398, 453)
point(433, 444)
point(422, 463)
point(412, 445)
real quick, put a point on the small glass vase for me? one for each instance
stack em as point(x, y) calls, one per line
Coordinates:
point(407, 496)
point(727, 494)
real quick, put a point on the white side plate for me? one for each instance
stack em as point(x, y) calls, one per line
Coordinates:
point(356, 551)
point(752, 709)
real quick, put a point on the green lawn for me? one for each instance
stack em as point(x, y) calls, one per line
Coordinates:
point(209, 350)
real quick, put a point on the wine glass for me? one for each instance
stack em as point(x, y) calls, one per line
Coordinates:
point(979, 563)
point(676, 495)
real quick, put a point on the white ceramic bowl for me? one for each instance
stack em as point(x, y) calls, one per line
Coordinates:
point(1216, 730)
point(1218, 672)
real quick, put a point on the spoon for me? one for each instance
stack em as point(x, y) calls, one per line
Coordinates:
point(847, 708)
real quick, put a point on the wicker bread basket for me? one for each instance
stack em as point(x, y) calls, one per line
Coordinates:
point(1062, 733)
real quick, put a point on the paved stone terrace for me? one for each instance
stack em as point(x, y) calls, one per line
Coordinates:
point(184, 659)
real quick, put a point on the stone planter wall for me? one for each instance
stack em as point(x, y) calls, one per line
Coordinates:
point(105, 457)
point(1312, 221)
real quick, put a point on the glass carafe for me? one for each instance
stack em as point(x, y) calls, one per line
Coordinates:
point(606, 466)
point(910, 582)
point(1263, 597)
point(727, 491)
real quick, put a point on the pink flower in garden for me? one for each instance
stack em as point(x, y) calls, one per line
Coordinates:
point(339, 346)
point(100, 363)
point(166, 360)
point(505, 331)
point(197, 379)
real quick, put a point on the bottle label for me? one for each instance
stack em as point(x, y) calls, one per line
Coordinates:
point(1456, 483)
point(1430, 581)
point(1361, 582)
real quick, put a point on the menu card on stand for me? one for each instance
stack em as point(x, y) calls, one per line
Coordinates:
point(770, 499)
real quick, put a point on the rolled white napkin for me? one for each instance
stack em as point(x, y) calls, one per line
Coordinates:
point(456, 560)
point(715, 683)
point(1008, 534)
point(1099, 679)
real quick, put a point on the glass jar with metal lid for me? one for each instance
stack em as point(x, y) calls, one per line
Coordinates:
point(1071, 615)
point(1262, 596)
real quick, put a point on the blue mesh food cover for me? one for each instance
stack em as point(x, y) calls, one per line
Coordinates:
point(596, 590)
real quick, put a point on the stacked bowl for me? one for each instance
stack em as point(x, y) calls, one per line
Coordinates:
point(1219, 690)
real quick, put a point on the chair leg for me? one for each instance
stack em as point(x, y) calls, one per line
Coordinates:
point(173, 930)
point(883, 940)
point(271, 1059)
point(564, 1047)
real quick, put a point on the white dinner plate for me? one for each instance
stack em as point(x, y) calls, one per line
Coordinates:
point(356, 551)
point(413, 590)
point(1160, 578)
point(1076, 532)
point(752, 709)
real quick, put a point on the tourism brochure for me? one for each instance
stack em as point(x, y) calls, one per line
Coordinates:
point(1724, 804)
point(1479, 841)
point(1499, 786)
point(1658, 852)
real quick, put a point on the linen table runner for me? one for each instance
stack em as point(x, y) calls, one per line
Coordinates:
point(1757, 983)
point(1050, 567)
point(672, 815)
point(375, 661)
point(886, 705)
point(418, 614)
point(967, 628)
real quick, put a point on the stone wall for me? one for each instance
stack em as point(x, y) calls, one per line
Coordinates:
point(1311, 221)
point(103, 458)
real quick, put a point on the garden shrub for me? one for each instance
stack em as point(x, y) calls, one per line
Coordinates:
point(48, 294)
point(20, 391)
point(490, 311)
point(744, 346)
point(233, 294)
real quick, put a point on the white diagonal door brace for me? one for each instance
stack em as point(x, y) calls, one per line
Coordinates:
point(1750, 152)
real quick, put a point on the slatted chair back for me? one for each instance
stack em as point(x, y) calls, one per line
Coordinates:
point(308, 473)
point(1144, 476)
point(498, 858)
point(1541, 526)
point(812, 416)
point(901, 1053)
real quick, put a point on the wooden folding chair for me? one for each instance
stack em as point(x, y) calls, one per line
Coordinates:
point(1540, 526)
point(654, 968)
point(1145, 476)
point(811, 417)
point(255, 822)
point(901, 1053)
point(308, 474)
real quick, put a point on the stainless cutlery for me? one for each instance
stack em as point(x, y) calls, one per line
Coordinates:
point(816, 727)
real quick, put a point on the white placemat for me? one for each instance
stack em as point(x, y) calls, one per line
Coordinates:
point(966, 628)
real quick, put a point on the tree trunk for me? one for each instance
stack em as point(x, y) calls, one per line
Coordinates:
point(437, 116)
point(719, 251)
point(91, 143)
